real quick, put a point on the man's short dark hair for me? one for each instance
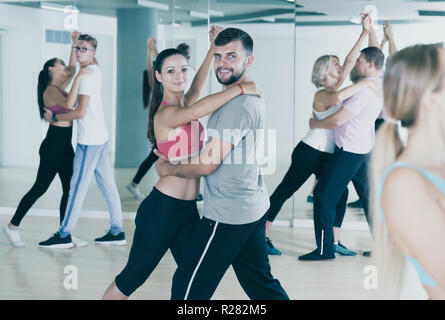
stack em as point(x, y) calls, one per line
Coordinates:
point(90, 39)
point(232, 34)
point(375, 55)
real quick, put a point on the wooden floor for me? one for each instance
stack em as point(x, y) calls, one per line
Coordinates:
point(34, 273)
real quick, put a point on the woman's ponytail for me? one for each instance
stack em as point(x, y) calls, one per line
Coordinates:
point(43, 81)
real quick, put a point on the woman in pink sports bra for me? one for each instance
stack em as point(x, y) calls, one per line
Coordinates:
point(56, 152)
point(165, 218)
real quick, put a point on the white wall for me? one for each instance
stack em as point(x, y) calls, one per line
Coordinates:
point(24, 52)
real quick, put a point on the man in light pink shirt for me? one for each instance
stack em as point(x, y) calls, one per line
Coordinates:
point(354, 139)
point(358, 134)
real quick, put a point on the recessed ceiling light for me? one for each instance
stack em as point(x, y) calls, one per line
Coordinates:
point(58, 7)
point(153, 4)
point(204, 15)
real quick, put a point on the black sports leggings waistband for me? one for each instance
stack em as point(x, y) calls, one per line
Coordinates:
point(158, 193)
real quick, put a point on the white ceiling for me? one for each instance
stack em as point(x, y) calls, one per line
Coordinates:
point(334, 11)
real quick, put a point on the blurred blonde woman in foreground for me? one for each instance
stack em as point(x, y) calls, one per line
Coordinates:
point(409, 193)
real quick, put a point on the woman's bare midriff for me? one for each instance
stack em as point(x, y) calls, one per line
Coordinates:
point(62, 123)
point(179, 188)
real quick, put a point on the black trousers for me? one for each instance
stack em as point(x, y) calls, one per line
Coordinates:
point(378, 124)
point(213, 247)
point(145, 166)
point(341, 169)
point(162, 223)
point(305, 162)
point(56, 157)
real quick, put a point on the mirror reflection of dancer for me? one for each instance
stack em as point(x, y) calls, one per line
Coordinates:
point(91, 155)
point(56, 152)
point(166, 217)
point(148, 82)
point(387, 37)
point(409, 197)
point(313, 152)
point(354, 133)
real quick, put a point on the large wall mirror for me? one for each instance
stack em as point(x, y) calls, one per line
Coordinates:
point(288, 37)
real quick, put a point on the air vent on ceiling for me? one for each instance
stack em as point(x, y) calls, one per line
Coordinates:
point(431, 13)
point(57, 36)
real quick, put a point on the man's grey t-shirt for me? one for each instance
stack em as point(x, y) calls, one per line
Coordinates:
point(235, 192)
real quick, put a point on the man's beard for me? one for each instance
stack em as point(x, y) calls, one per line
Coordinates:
point(233, 78)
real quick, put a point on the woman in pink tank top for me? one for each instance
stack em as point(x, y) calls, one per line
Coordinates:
point(173, 115)
point(50, 94)
point(56, 152)
point(166, 217)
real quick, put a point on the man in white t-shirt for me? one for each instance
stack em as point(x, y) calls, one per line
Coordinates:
point(91, 155)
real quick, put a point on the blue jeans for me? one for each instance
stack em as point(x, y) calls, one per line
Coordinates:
point(90, 159)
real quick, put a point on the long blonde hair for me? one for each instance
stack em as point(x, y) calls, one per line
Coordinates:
point(409, 74)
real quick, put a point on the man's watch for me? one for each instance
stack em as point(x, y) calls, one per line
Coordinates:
point(53, 118)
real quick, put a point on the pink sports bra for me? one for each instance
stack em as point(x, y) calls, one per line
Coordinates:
point(188, 141)
point(56, 109)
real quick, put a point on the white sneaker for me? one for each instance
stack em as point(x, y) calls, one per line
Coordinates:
point(13, 237)
point(135, 192)
point(78, 242)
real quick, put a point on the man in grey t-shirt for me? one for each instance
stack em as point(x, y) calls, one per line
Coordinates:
point(235, 191)
point(232, 230)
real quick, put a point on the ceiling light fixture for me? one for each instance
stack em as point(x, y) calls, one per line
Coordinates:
point(58, 7)
point(216, 13)
point(268, 19)
point(153, 4)
point(199, 14)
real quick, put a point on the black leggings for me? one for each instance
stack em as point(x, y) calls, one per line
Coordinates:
point(145, 166)
point(305, 162)
point(56, 157)
point(162, 223)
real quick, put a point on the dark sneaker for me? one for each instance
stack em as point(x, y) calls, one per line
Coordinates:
point(111, 239)
point(356, 204)
point(57, 242)
point(271, 250)
point(367, 253)
point(341, 249)
point(314, 256)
